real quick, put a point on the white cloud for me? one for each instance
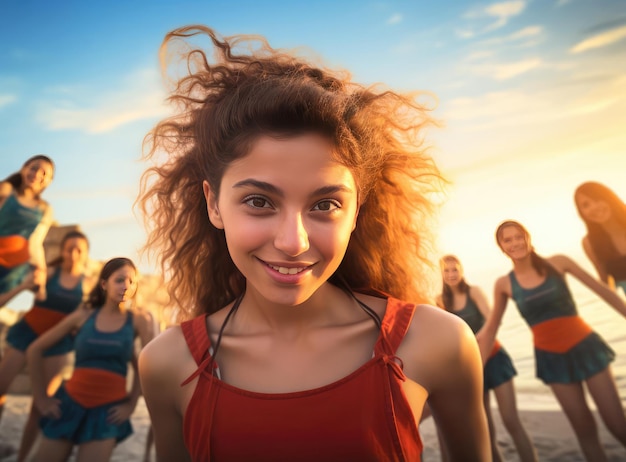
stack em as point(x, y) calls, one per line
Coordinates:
point(504, 71)
point(503, 11)
point(138, 97)
point(600, 40)
point(527, 35)
point(395, 19)
point(499, 13)
point(518, 107)
point(6, 99)
point(526, 32)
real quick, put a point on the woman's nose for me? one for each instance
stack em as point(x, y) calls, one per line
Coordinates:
point(292, 237)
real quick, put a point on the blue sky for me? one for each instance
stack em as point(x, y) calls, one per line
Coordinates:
point(532, 96)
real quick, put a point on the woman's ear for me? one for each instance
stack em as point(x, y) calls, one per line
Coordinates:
point(211, 206)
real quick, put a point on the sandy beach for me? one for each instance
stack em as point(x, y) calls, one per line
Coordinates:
point(548, 428)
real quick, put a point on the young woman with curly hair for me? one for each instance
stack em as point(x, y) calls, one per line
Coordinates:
point(288, 206)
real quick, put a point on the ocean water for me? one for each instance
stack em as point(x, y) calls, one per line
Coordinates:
point(516, 337)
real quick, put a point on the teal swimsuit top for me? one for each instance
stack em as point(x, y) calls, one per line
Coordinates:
point(471, 315)
point(109, 351)
point(58, 298)
point(549, 300)
point(18, 220)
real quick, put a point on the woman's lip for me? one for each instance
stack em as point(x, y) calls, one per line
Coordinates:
point(287, 272)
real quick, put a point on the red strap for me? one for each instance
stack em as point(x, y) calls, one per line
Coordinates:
point(395, 325)
point(197, 337)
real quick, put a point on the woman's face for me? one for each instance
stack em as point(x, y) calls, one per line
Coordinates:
point(37, 175)
point(75, 253)
point(120, 286)
point(514, 242)
point(452, 273)
point(592, 210)
point(287, 210)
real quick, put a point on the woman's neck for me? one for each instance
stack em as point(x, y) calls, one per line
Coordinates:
point(523, 265)
point(113, 307)
point(456, 290)
point(326, 306)
point(73, 270)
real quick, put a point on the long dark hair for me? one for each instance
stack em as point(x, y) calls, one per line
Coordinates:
point(539, 263)
point(599, 239)
point(97, 296)
point(447, 297)
point(70, 235)
point(16, 178)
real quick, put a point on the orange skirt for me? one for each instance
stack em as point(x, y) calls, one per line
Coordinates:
point(41, 319)
point(558, 335)
point(92, 387)
point(13, 251)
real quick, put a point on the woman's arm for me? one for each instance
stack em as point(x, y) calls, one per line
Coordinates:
point(451, 371)
point(486, 336)
point(48, 406)
point(6, 189)
point(34, 278)
point(481, 301)
point(597, 264)
point(142, 323)
point(36, 249)
point(163, 365)
point(567, 265)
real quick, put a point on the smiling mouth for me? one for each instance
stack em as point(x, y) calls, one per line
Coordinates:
point(285, 270)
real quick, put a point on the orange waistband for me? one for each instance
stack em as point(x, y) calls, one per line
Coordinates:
point(495, 349)
point(560, 334)
point(92, 387)
point(41, 319)
point(13, 251)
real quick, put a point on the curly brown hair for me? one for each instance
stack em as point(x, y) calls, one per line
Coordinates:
point(250, 89)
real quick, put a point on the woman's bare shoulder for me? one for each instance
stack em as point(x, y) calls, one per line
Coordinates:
point(435, 337)
point(166, 354)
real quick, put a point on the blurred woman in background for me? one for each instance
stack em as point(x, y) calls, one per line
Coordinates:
point(604, 215)
point(470, 304)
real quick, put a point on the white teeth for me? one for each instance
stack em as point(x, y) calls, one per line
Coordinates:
point(285, 270)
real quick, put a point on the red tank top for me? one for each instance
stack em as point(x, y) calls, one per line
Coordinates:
point(362, 417)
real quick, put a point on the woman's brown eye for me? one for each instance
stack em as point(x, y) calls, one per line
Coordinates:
point(258, 202)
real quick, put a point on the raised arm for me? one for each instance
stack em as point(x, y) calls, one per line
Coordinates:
point(597, 264)
point(48, 406)
point(487, 335)
point(567, 265)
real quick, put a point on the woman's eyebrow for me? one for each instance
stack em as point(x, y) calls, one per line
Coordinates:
point(270, 188)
